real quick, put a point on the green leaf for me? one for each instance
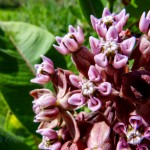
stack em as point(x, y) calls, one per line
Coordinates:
point(31, 42)
point(91, 7)
point(11, 142)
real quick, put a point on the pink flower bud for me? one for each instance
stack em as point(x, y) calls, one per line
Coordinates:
point(70, 42)
point(44, 71)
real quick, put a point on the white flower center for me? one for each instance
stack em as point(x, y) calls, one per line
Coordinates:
point(40, 69)
point(87, 87)
point(108, 19)
point(67, 36)
point(110, 47)
point(134, 137)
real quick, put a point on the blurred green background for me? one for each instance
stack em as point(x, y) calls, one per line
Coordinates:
point(27, 30)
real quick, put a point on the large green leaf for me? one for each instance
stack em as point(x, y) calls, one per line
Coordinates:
point(91, 7)
point(12, 142)
point(26, 43)
point(31, 42)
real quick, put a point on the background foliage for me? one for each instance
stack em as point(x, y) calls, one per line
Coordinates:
point(27, 30)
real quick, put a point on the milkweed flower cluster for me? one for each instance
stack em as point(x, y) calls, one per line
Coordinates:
point(116, 95)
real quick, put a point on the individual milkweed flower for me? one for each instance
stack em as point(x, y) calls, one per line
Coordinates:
point(102, 25)
point(89, 90)
point(50, 140)
point(144, 24)
point(111, 51)
point(132, 134)
point(44, 71)
point(70, 42)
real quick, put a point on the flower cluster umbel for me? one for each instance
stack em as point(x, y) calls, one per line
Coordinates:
point(116, 95)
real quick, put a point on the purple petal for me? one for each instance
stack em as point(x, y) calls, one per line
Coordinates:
point(79, 36)
point(101, 30)
point(119, 128)
point(112, 34)
point(93, 74)
point(135, 121)
point(94, 104)
point(58, 39)
point(71, 44)
point(104, 88)
point(119, 61)
point(75, 80)
point(147, 133)
point(121, 15)
point(77, 100)
point(61, 49)
point(106, 12)
point(94, 21)
point(51, 134)
point(144, 23)
point(127, 45)
point(43, 79)
point(101, 60)
point(95, 45)
point(122, 145)
point(71, 29)
point(119, 26)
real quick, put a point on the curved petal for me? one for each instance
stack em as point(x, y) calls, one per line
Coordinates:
point(95, 45)
point(94, 21)
point(112, 34)
point(94, 103)
point(75, 80)
point(42, 79)
point(104, 88)
point(135, 121)
point(147, 133)
point(71, 29)
point(58, 39)
point(127, 45)
point(101, 60)
point(61, 49)
point(119, 128)
point(71, 44)
point(93, 74)
point(101, 30)
point(144, 23)
point(122, 145)
point(121, 15)
point(77, 99)
point(106, 12)
point(79, 35)
point(51, 134)
point(119, 61)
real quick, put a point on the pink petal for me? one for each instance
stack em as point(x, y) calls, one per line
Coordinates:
point(79, 36)
point(61, 49)
point(101, 30)
point(75, 80)
point(71, 29)
point(77, 100)
point(127, 45)
point(94, 21)
point(95, 45)
point(119, 26)
point(119, 61)
point(104, 88)
point(122, 145)
point(144, 23)
point(112, 34)
point(106, 12)
point(71, 44)
point(94, 104)
point(58, 39)
point(119, 128)
point(51, 134)
point(101, 60)
point(43, 79)
point(93, 74)
point(135, 121)
point(147, 133)
point(120, 15)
